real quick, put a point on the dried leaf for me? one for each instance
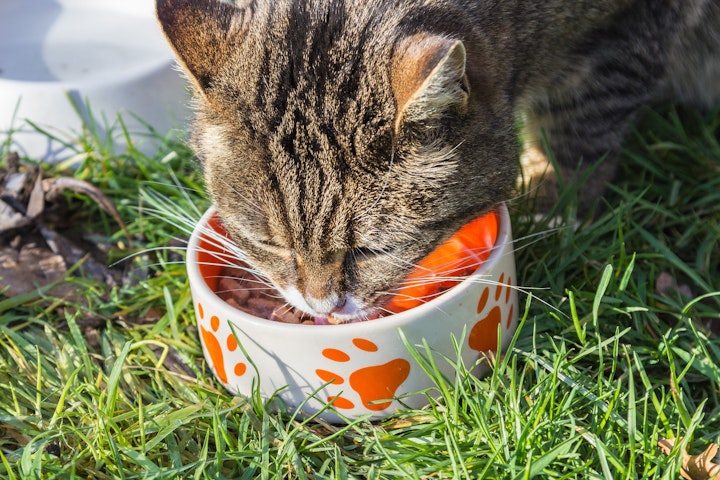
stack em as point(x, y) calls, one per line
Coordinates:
point(695, 467)
point(172, 360)
point(15, 432)
point(36, 202)
point(74, 255)
point(53, 187)
point(407, 422)
point(32, 267)
point(666, 285)
point(15, 189)
point(10, 218)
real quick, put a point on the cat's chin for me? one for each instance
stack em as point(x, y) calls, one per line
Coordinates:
point(348, 316)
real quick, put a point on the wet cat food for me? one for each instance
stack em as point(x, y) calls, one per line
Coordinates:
point(241, 289)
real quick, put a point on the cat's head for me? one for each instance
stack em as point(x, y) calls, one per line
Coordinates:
point(339, 143)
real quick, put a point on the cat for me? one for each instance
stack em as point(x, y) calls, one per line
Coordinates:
point(341, 141)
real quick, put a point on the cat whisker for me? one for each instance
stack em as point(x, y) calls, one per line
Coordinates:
point(537, 236)
point(255, 276)
point(252, 279)
point(400, 262)
point(250, 203)
point(479, 280)
point(183, 224)
point(422, 299)
point(286, 308)
point(224, 245)
point(177, 186)
point(185, 218)
point(363, 317)
point(231, 290)
point(146, 251)
point(165, 204)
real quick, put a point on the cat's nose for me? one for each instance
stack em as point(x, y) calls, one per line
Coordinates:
point(340, 304)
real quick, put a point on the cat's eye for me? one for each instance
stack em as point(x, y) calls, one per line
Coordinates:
point(269, 245)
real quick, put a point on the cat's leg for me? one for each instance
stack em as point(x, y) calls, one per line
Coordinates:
point(584, 130)
point(586, 111)
point(694, 66)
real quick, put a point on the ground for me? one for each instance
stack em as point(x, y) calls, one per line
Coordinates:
point(102, 376)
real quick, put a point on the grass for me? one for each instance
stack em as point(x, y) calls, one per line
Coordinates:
point(602, 367)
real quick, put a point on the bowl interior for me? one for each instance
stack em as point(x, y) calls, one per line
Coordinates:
point(455, 259)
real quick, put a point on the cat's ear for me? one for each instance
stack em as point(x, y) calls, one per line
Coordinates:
point(201, 32)
point(428, 78)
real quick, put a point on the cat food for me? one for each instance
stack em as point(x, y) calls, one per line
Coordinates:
point(241, 289)
point(447, 266)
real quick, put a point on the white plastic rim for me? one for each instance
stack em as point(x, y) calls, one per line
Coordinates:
point(359, 369)
point(65, 62)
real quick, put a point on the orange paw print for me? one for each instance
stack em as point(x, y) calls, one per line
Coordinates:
point(373, 384)
point(215, 348)
point(483, 335)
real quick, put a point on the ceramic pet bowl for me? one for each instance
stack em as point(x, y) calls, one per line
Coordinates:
point(363, 368)
point(65, 62)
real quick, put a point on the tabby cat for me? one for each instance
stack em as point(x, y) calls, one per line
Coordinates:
point(342, 140)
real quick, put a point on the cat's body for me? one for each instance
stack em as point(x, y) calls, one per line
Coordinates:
point(342, 140)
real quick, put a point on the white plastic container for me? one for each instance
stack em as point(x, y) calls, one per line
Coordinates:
point(107, 57)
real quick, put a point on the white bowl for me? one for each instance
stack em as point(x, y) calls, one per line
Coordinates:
point(362, 369)
point(108, 57)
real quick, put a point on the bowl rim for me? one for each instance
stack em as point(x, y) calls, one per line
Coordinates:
point(207, 296)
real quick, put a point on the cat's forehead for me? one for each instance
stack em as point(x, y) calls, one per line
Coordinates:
point(318, 199)
point(330, 58)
